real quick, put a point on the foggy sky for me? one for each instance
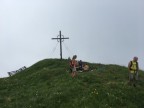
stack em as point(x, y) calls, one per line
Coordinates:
point(100, 31)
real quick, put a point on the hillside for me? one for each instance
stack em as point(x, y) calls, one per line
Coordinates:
point(48, 84)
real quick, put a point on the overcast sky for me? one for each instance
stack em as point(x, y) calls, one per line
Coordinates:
point(100, 31)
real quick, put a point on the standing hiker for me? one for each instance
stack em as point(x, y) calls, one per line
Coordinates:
point(73, 64)
point(133, 70)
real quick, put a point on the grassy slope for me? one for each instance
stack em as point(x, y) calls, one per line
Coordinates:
point(47, 84)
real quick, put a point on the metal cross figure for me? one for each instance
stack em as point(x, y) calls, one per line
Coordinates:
point(60, 38)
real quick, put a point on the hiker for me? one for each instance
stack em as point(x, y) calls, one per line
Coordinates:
point(85, 68)
point(73, 64)
point(80, 65)
point(133, 70)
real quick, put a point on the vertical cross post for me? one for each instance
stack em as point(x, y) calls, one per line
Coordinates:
point(60, 38)
point(60, 45)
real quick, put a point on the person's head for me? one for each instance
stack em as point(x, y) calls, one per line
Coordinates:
point(135, 59)
point(80, 61)
point(75, 56)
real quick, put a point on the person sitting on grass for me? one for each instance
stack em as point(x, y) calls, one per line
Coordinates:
point(85, 68)
point(80, 65)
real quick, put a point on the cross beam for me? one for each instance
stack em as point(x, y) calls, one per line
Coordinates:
point(60, 38)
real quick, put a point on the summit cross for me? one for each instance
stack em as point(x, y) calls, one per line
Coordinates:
point(60, 38)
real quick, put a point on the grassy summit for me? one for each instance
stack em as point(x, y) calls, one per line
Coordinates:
point(47, 84)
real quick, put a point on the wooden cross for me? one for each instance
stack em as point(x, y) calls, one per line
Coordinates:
point(60, 38)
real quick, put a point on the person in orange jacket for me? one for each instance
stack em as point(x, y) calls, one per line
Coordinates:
point(73, 65)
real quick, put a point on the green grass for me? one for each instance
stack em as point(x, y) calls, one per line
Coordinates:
point(48, 84)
